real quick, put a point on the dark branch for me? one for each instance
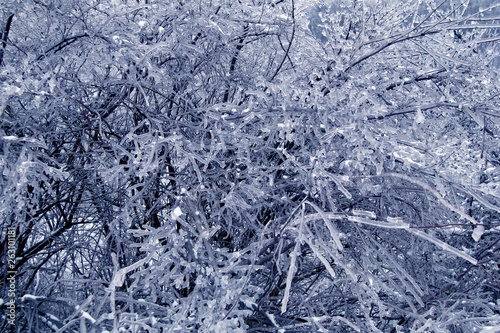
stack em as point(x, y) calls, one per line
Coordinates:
point(5, 35)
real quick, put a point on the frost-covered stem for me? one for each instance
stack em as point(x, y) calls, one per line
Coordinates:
point(334, 233)
point(480, 199)
point(436, 194)
point(347, 322)
point(293, 259)
point(452, 225)
point(112, 293)
point(287, 51)
point(376, 223)
point(444, 246)
point(383, 47)
point(358, 219)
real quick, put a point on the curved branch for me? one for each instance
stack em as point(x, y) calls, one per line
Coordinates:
point(68, 219)
point(286, 56)
point(5, 35)
point(61, 45)
point(386, 45)
point(436, 194)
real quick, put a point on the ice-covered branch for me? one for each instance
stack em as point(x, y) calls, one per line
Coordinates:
point(443, 245)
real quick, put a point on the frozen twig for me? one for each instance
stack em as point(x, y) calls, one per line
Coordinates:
point(436, 194)
point(443, 245)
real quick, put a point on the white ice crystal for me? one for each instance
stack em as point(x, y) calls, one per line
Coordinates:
point(176, 213)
